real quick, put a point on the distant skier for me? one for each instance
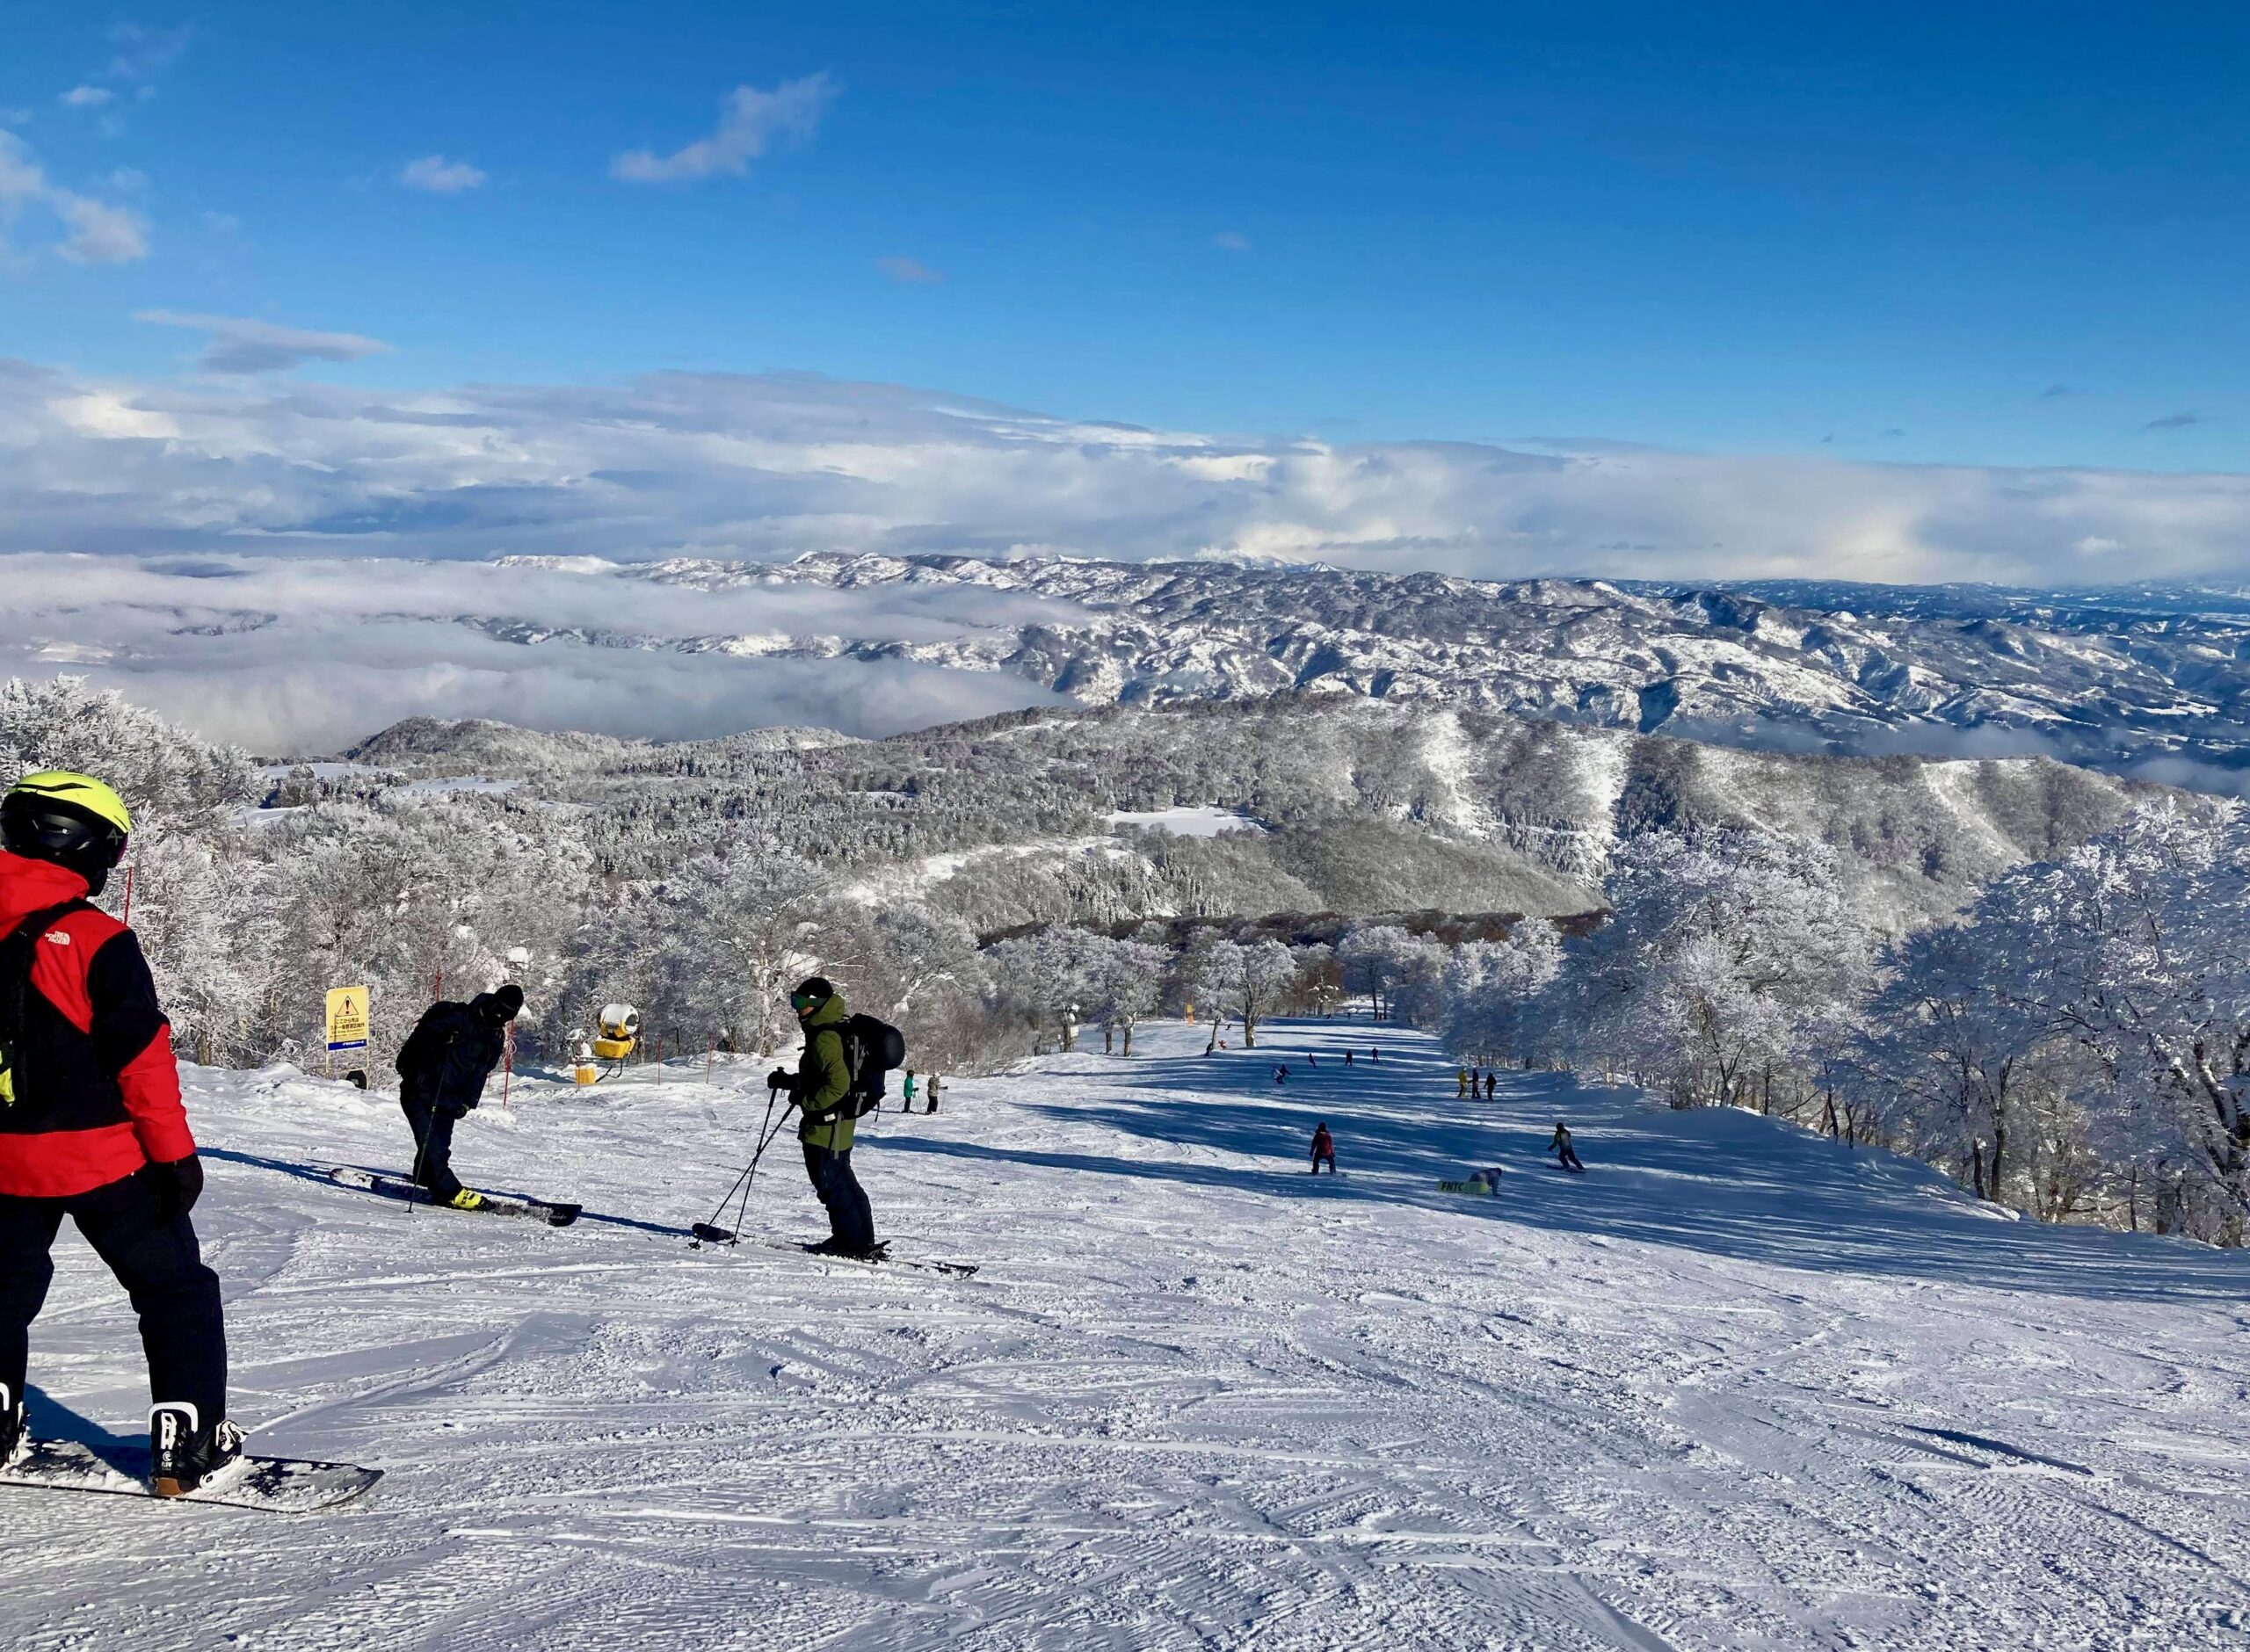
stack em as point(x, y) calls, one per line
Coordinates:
point(1461, 1082)
point(1566, 1155)
point(822, 1090)
point(1491, 1080)
point(1347, 1058)
point(907, 1105)
point(442, 1068)
point(1281, 1075)
point(932, 1108)
point(91, 1124)
point(1312, 1061)
point(1375, 1056)
point(1324, 1149)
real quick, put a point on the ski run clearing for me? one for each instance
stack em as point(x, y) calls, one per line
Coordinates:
point(1738, 1387)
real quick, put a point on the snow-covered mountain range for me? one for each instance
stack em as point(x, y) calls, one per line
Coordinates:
point(2152, 679)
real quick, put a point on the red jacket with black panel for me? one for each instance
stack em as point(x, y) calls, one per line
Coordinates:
point(97, 1090)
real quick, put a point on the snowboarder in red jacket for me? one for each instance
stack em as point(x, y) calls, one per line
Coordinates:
point(91, 1126)
point(1324, 1148)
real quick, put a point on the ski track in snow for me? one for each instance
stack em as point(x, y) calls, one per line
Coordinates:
point(1738, 1388)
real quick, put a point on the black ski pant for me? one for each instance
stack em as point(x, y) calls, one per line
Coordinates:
point(159, 1265)
point(1569, 1160)
point(1319, 1159)
point(850, 1222)
point(433, 1146)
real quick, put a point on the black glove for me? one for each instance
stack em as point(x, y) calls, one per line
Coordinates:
point(779, 1078)
point(176, 1186)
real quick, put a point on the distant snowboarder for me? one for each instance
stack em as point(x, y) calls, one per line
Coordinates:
point(1566, 1155)
point(442, 1068)
point(1347, 1058)
point(823, 1091)
point(1281, 1075)
point(94, 1126)
point(1312, 1061)
point(1375, 1056)
point(1324, 1148)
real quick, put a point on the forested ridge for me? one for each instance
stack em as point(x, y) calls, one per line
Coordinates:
point(1817, 937)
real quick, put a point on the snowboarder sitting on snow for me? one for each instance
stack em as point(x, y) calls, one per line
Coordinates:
point(441, 1070)
point(1324, 1148)
point(822, 1090)
point(1567, 1154)
point(91, 1126)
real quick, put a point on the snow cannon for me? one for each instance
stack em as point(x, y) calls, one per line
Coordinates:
point(583, 1070)
point(619, 1032)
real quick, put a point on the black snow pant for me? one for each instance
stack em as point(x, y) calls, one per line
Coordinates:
point(433, 1146)
point(851, 1223)
point(1319, 1159)
point(1569, 1160)
point(161, 1267)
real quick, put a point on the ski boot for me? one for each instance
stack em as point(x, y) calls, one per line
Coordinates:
point(467, 1198)
point(15, 1438)
point(830, 1246)
point(182, 1454)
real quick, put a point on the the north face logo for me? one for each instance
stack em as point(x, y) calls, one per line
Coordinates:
point(58, 938)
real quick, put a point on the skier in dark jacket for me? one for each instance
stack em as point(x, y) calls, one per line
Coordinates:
point(822, 1090)
point(1491, 1080)
point(1324, 1148)
point(441, 1071)
point(1566, 1155)
point(91, 1126)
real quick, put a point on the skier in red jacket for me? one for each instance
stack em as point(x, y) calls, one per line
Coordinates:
point(91, 1126)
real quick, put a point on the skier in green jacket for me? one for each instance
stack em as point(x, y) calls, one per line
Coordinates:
point(822, 1090)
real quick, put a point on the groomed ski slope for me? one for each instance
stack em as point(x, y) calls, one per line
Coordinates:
point(1738, 1387)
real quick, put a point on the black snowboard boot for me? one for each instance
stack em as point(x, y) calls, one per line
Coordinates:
point(181, 1455)
point(15, 1440)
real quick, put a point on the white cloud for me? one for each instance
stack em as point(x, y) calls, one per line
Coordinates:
point(293, 656)
point(99, 232)
point(141, 50)
point(240, 345)
point(749, 121)
point(767, 466)
point(1231, 241)
point(93, 231)
point(440, 177)
point(909, 272)
point(87, 96)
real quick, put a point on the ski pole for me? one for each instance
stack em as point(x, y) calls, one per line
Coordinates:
point(749, 1170)
point(741, 1212)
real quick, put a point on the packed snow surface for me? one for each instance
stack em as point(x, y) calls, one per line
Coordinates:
point(1737, 1386)
point(1187, 821)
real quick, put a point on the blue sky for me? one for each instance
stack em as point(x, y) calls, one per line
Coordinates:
point(1982, 235)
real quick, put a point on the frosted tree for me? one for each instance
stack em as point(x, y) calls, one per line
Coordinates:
point(1727, 956)
point(1129, 982)
point(1490, 993)
point(1248, 982)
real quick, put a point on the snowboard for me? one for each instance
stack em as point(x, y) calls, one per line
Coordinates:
point(277, 1485)
point(553, 1213)
point(710, 1235)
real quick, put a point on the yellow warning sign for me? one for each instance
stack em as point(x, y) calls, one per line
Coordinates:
point(347, 1018)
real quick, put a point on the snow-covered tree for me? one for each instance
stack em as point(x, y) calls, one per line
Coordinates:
point(1491, 992)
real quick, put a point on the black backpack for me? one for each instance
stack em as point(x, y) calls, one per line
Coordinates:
point(15, 988)
point(871, 1049)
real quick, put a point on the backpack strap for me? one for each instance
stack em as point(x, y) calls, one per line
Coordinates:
point(15, 982)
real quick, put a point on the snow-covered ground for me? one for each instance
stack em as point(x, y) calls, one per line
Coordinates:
point(1738, 1387)
point(1188, 820)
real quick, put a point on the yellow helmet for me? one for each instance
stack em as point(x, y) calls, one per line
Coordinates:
point(62, 787)
point(72, 819)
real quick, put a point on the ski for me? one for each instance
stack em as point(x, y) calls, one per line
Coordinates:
point(555, 1214)
point(710, 1235)
point(277, 1485)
